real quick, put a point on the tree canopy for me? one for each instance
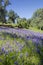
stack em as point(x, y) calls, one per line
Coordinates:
point(3, 11)
point(37, 19)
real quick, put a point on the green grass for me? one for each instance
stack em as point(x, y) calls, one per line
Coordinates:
point(35, 29)
point(12, 25)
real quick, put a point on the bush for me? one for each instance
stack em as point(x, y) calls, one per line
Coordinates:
point(22, 24)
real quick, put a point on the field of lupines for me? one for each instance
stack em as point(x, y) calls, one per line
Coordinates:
point(20, 47)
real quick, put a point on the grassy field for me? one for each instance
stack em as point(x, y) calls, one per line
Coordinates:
point(35, 29)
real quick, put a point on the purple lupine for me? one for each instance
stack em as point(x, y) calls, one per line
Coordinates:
point(6, 52)
point(3, 49)
point(16, 63)
point(36, 37)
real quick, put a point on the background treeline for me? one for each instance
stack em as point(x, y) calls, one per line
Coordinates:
point(12, 18)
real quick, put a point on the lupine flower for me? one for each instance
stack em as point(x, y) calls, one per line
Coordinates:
point(16, 63)
point(6, 52)
point(3, 49)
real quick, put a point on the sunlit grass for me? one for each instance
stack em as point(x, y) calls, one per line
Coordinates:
point(11, 25)
point(35, 29)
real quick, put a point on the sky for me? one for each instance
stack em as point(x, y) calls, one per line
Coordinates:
point(25, 8)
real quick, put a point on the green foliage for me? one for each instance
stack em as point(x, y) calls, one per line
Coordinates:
point(9, 21)
point(22, 23)
point(38, 13)
point(28, 22)
point(3, 10)
point(12, 16)
point(37, 19)
point(6, 60)
point(40, 25)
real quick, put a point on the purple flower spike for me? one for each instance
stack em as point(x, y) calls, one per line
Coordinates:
point(3, 49)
